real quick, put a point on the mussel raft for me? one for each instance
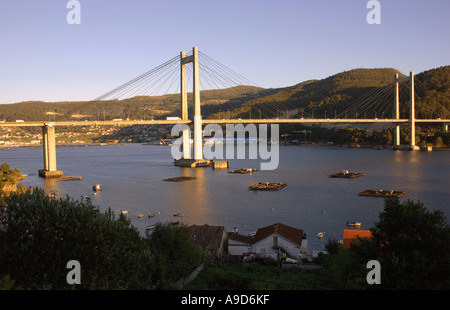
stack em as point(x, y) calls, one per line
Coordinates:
point(267, 186)
point(244, 170)
point(346, 174)
point(180, 179)
point(381, 193)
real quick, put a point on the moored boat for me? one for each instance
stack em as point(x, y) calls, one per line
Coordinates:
point(178, 214)
point(354, 224)
point(175, 222)
point(320, 235)
point(150, 214)
point(150, 227)
point(97, 187)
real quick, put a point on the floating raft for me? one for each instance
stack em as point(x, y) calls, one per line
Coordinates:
point(69, 178)
point(381, 193)
point(179, 179)
point(267, 186)
point(244, 170)
point(346, 174)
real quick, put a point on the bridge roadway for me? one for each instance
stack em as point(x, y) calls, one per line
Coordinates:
point(215, 121)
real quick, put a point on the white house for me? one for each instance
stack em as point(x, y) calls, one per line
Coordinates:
point(269, 241)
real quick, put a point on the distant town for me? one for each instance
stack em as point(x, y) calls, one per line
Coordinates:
point(28, 137)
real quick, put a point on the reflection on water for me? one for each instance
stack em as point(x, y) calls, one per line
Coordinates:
point(51, 186)
point(132, 179)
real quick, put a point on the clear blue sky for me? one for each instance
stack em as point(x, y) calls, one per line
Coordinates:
point(272, 43)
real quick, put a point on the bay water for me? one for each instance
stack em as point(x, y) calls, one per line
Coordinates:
point(132, 176)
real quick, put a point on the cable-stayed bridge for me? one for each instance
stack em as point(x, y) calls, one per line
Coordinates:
point(177, 75)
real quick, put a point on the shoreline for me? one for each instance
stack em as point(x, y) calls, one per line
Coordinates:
point(326, 144)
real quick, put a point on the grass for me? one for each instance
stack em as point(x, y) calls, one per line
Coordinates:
point(257, 276)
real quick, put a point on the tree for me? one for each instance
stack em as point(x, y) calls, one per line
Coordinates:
point(176, 254)
point(39, 235)
point(412, 245)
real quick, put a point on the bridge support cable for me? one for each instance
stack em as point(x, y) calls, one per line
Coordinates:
point(155, 75)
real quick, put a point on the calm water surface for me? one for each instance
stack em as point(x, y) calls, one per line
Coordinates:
point(131, 177)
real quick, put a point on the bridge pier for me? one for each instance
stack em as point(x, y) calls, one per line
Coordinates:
point(49, 147)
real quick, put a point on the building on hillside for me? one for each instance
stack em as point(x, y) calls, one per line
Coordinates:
point(269, 241)
point(353, 235)
point(212, 239)
point(239, 244)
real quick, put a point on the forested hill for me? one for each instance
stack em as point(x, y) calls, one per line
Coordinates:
point(333, 95)
point(139, 107)
point(339, 92)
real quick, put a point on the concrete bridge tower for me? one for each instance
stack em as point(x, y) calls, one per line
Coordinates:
point(198, 160)
point(49, 146)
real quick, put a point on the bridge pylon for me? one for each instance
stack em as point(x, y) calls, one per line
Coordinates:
point(49, 147)
point(412, 115)
point(187, 160)
point(397, 112)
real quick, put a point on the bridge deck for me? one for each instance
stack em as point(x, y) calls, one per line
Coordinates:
point(217, 121)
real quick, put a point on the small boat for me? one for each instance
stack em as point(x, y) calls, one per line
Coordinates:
point(354, 224)
point(150, 227)
point(151, 214)
point(124, 212)
point(140, 216)
point(178, 214)
point(97, 187)
point(320, 235)
point(175, 222)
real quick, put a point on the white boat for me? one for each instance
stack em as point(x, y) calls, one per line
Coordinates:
point(354, 224)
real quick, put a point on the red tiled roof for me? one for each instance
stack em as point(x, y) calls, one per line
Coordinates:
point(293, 234)
point(207, 236)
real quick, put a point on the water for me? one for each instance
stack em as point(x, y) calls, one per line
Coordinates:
point(131, 177)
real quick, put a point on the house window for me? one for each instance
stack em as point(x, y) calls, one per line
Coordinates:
point(275, 241)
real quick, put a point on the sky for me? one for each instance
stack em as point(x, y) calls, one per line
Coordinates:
point(273, 43)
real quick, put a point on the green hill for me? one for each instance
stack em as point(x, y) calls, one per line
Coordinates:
point(334, 95)
point(133, 108)
point(340, 92)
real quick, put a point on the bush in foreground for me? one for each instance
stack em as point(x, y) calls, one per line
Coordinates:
point(39, 235)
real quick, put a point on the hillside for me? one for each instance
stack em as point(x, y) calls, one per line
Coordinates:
point(139, 107)
point(337, 93)
point(333, 95)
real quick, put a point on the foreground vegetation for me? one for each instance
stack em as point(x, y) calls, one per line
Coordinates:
point(8, 179)
point(40, 234)
point(411, 244)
